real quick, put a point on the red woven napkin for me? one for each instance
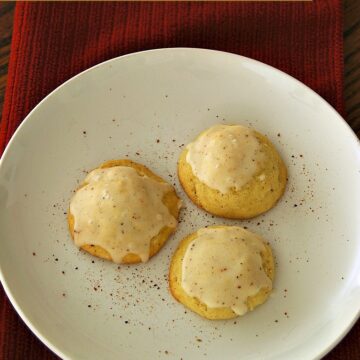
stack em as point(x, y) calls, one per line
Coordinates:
point(54, 41)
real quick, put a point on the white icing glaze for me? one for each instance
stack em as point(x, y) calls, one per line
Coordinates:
point(121, 211)
point(225, 157)
point(222, 267)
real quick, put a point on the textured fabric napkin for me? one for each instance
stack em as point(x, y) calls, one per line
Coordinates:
point(54, 41)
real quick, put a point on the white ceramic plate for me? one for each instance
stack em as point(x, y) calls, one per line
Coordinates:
point(85, 308)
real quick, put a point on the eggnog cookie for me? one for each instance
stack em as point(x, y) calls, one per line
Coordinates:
point(232, 171)
point(222, 272)
point(123, 212)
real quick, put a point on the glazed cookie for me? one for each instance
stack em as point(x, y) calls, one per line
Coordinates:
point(123, 212)
point(222, 272)
point(232, 171)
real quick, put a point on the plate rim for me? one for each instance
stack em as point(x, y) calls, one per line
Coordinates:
point(39, 334)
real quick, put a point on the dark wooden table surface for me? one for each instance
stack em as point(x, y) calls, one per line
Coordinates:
point(352, 88)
